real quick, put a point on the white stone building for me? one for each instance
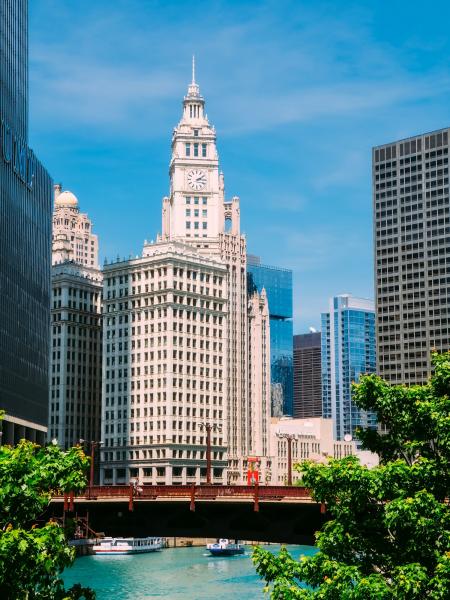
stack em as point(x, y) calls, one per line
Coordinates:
point(177, 347)
point(312, 439)
point(72, 235)
point(76, 332)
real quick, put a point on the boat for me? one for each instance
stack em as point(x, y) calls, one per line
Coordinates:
point(224, 547)
point(110, 546)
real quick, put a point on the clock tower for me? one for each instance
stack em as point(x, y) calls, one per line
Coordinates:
point(194, 212)
point(203, 223)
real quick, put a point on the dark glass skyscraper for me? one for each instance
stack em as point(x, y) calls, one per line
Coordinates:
point(278, 285)
point(307, 376)
point(25, 239)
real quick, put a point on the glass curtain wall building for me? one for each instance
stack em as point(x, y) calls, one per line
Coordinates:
point(348, 350)
point(278, 285)
point(25, 239)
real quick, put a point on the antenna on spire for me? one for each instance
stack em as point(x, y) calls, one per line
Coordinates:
point(193, 68)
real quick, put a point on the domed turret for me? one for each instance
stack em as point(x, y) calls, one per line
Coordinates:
point(66, 199)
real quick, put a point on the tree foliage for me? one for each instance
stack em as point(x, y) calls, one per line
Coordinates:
point(389, 532)
point(32, 557)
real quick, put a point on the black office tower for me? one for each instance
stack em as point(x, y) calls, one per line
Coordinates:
point(25, 243)
point(307, 375)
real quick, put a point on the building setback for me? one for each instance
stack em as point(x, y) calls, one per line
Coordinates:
point(348, 351)
point(25, 242)
point(277, 283)
point(179, 328)
point(76, 328)
point(307, 376)
point(411, 206)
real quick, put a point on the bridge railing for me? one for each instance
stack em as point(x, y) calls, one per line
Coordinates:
point(200, 491)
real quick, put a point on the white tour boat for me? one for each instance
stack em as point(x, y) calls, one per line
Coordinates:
point(111, 546)
point(224, 547)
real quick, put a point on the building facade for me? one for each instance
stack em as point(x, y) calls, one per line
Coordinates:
point(76, 327)
point(25, 244)
point(411, 207)
point(177, 333)
point(277, 283)
point(307, 375)
point(164, 369)
point(311, 439)
point(259, 374)
point(348, 351)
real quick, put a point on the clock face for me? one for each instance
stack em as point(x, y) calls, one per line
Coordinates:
point(196, 179)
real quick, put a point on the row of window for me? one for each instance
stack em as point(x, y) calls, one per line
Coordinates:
point(196, 213)
point(196, 225)
point(195, 147)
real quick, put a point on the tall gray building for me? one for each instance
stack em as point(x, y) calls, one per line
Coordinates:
point(307, 376)
point(412, 254)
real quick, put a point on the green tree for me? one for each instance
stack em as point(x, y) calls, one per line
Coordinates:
point(389, 532)
point(32, 557)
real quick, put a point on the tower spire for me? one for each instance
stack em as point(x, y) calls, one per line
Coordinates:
point(193, 88)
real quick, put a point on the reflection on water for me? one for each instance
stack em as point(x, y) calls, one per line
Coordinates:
point(174, 574)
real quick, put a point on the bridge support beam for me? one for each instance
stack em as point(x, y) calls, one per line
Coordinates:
point(131, 497)
point(192, 504)
point(256, 503)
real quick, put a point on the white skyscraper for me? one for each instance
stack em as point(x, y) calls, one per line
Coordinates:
point(72, 232)
point(177, 350)
point(76, 333)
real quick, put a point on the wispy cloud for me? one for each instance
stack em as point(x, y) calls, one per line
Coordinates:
point(260, 74)
point(315, 249)
point(298, 90)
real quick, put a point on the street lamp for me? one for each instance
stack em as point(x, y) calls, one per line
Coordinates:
point(93, 447)
point(209, 427)
point(288, 437)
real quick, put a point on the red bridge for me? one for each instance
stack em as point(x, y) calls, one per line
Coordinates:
point(265, 513)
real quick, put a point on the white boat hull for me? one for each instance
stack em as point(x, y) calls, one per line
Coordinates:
point(122, 546)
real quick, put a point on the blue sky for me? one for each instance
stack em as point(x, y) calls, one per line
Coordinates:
point(299, 92)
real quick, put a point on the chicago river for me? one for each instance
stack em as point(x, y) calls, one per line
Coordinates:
point(187, 573)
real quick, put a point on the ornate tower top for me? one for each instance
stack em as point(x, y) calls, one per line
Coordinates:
point(193, 102)
point(193, 88)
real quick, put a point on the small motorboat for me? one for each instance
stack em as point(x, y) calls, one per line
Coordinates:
point(223, 547)
point(110, 546)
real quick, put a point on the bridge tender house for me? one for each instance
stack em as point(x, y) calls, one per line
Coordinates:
point(16, 153)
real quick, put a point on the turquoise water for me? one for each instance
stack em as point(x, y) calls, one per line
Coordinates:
point(186, 573)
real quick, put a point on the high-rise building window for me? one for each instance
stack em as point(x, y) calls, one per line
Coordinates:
point(196, 200)
point(196, 225)
point(204, 201)
point(195, 132)
point(196, 149)
point(188, 224)
point(188, 199)
point(196, 212)
point(204, 213)
point(204, 224)
point(204, 150)
point(188, 212)
point(188, 149)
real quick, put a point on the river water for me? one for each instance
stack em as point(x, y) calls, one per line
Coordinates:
point(174, 574)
